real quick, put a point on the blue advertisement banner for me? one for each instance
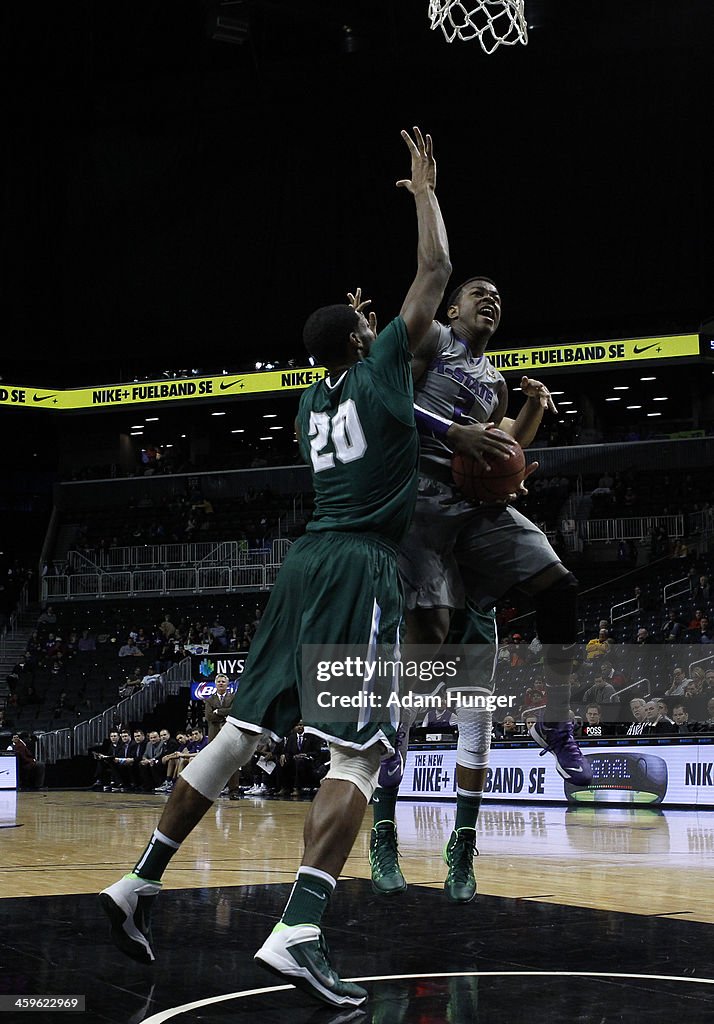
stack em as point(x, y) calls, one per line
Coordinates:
point(205, 668)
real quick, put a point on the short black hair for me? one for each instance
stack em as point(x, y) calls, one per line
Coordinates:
point(455, 295)
point(327, 331)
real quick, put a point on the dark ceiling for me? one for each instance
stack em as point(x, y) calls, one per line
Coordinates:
point(173, 200)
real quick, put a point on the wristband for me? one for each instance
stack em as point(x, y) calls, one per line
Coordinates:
point(429, 421)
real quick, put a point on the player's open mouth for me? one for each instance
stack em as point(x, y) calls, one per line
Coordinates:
point(488, 313)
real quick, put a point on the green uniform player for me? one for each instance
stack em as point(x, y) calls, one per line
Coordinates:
point(339, 585)
point(357, 433)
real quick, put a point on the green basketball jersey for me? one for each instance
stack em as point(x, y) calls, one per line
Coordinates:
point(357, 434)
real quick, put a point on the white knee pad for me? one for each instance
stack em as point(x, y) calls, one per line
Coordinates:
point(474, 744)
point(359, 767)
point(213, 766)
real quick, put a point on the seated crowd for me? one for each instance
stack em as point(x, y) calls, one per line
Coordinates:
point(137, 761)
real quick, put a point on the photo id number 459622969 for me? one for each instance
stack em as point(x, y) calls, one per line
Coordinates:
point(42, 1003)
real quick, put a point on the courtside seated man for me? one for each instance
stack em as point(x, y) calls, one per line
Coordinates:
point(339, 585)
point(457, 553)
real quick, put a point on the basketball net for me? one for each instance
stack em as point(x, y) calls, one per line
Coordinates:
point(492, 22)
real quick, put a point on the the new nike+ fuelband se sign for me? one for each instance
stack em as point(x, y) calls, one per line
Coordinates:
point(540, 359)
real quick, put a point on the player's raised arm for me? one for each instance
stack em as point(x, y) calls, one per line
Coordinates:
point(433, 264)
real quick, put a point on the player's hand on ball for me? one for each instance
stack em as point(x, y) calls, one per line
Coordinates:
point(423, 163)
point(360, 304)
point(481, 441)
point(535, 389)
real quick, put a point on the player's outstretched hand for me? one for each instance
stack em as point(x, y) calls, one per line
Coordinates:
point(480, 440)
point(360, 304)
point(423, 163)
point(534, 389)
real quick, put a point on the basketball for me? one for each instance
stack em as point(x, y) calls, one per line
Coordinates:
point(479, 484)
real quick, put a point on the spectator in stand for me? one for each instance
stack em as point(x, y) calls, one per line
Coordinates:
point(709, 680)
point(266, 773)
point(6, 723)
point(47, 617)
point(643, 636)
point(598, 647)
point(196, 742)
point(672, 628)
point(707, 634)
point(21, 673)
point(529, 720)
point(122, 764)
point(130, 650)
point(507, 728)
point(152, 773)
point(103, 756)
point(132, 684)
point(601, 692)
point(167, 627)
point(299, 761)
point(612, 675)
point(137, 749)
point(695, 626)
point(678, 684)
point(694, 697)
point(708, 724)
point(31, 772)
point(659, 543)
point(638, 707)
point(218, 632)
point(174, 760)
point(682, 725)
point(656, 720)
point(535, 696)
point(27, 695)
point(701, 595)
point(86, 642)
point(593, 726)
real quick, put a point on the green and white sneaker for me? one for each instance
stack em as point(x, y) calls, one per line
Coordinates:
point(128, 905)
point(299, 954)
point(387, 877)
point(459, 853)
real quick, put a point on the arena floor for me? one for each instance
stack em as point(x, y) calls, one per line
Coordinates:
point(587, 915)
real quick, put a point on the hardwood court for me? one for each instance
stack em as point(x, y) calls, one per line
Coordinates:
point(612, 891)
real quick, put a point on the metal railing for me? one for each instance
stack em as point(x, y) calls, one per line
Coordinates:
point(630, 528)
point(675, 589)
point(62, 744)
point(9, 631)
point(132, 709)
point(52, 747)
point(165, 556)
point(700, 661)
point(155, 582)
point(624, 609)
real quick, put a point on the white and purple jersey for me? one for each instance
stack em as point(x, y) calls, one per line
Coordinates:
point(456, 387)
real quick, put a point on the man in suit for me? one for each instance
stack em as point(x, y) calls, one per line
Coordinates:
point(218, 708)
point(300, 760)
point(151, 770)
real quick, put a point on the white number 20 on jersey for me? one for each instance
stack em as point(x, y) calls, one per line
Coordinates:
point(348, 438)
